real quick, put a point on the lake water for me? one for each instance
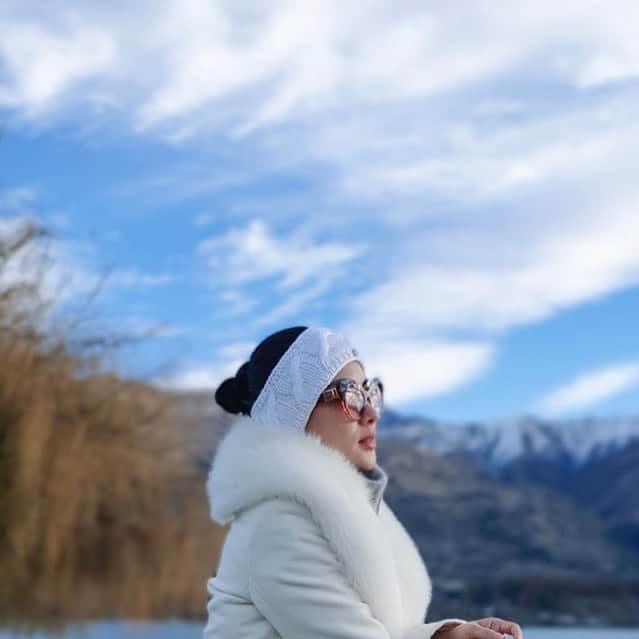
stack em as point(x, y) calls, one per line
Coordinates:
point(183, 630)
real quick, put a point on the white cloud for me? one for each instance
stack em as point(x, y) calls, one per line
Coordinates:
point(591, 388)
point(474, 154)
point(482, 279)
point(408, 370)
point(421, 368)
point(191, 379)
point(40, 64)
point(490, 279)
point(256, 253)
point(294, 302)
point(193, 64)
point(473, 159)
point(231, 355)
point(390, 98)
point(298, 269)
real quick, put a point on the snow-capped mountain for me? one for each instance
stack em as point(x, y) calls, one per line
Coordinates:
point(496, 444)
point(593, 461)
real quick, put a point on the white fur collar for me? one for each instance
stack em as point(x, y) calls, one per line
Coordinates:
point(380, 560)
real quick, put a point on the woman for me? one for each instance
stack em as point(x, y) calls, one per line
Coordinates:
point(313, 550)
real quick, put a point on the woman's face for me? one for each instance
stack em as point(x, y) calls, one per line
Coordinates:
point(339, 431)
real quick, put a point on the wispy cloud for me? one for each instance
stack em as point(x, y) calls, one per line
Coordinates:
point(42, 63)
point(193, 377)
point(481, 172)
point(409, 371)
point(294, 302)
point(482, 157)
point(421, 368)
point(281, 274)
point(297, 60)
point(487, 279)
point(255, 253)
point(136, 278)
point(591, 388)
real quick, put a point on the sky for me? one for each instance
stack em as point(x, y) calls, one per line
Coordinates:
point(452, 185)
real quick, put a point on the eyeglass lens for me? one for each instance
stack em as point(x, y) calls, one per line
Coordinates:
point(355, 398)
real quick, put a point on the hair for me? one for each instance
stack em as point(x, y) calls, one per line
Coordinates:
point(237, 394)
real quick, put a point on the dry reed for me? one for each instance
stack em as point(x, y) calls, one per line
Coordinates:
point(101, 511)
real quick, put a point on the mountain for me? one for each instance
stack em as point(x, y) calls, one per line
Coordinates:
point(493, 547)
point(594, 461)
point(609, 484)
point(496, 444)
point(470, 523)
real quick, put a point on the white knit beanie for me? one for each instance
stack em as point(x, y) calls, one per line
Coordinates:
point(296, 382)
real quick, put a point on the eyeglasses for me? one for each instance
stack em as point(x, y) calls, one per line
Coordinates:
point(352, 397)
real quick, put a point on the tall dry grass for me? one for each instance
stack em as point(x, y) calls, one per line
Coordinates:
point(101, 512)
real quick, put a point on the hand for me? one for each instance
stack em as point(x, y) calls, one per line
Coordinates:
point(488, 628)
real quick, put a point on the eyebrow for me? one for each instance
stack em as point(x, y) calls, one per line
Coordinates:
point(350, 379)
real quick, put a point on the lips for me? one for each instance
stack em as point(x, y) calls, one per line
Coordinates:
point(368, 442)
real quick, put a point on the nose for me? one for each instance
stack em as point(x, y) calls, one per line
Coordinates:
point(369, 415)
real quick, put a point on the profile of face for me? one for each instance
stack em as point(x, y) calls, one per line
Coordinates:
point(356, 439)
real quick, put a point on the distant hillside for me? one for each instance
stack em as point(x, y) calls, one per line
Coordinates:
point(610, 485)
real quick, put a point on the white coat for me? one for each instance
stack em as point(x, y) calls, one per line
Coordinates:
point(306, 555)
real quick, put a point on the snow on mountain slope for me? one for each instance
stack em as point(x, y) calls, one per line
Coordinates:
point(501, 442)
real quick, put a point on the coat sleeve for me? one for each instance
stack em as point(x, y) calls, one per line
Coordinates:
point(296, 581)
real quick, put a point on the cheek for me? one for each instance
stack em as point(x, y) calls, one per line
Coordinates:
point(334, 431)
point(347, 437)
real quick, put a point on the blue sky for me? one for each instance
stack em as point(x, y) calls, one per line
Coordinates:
point(453, 187)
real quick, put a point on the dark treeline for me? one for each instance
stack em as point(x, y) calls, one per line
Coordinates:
point(101, 513)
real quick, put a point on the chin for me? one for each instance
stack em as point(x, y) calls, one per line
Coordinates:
point(366, 463)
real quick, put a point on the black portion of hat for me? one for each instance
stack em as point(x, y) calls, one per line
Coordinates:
point(232, 394)
point(237, 394)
